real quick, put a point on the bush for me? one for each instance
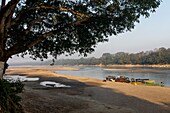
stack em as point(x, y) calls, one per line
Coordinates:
point(9, 100)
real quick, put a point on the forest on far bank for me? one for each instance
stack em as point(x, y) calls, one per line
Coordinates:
point(156, 56)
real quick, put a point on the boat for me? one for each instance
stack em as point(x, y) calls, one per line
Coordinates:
point(146, 82)
point(122, 79)
point(133, 81)
point(136, 83)
point(149, 82)
point(117, 79)
point(110, 78)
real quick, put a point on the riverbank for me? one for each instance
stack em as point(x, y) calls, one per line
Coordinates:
point(88, 95)
point(137, 66)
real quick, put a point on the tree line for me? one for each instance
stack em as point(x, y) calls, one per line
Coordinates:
point(156, 56)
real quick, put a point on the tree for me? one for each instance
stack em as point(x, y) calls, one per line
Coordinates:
point(106, 58)
point(41, 28)
point(163, 55)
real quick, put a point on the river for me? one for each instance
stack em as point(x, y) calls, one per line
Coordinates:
point(157, 74)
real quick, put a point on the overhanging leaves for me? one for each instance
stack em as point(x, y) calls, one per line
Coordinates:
point(42, 27)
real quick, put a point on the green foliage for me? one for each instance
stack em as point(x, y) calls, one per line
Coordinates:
point(9, 100)
point(157, 56)
point(106, 59)
point(41, 28)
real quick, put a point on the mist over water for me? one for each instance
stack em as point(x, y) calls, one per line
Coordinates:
point(157, 74)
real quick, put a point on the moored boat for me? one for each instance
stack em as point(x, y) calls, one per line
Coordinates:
point(133, 81)
point(117, 79)
point(149, 82)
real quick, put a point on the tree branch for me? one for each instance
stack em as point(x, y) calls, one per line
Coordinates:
point(78, 15)
point(17, 48)
point(50, 33)
point(3, 3)
point(5, 19)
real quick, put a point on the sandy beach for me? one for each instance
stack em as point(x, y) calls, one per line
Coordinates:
point(88, 95)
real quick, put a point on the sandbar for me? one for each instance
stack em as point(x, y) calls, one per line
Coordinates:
point(87, 95)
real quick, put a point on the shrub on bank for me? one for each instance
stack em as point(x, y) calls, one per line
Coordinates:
point(9, 99)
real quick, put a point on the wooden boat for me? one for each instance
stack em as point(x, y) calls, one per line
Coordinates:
point(142, 81)
point(122, 79)
point(117, 79)
point(137, 83)
point(133, 81)
point(149, 82)
point(110, 78)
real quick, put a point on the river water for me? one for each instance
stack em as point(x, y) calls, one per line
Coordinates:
point(157, 74)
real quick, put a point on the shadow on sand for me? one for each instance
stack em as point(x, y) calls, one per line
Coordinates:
point(40, 99)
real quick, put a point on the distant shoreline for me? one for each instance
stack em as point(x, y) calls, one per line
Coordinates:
point(126, 65)
point(100, 65)
point(138, 65)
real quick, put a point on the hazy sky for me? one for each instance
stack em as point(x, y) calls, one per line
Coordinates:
point(150, 33)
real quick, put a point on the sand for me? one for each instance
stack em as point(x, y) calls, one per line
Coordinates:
point(88, 95)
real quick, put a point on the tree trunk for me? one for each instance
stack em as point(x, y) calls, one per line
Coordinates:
point(1, 69)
